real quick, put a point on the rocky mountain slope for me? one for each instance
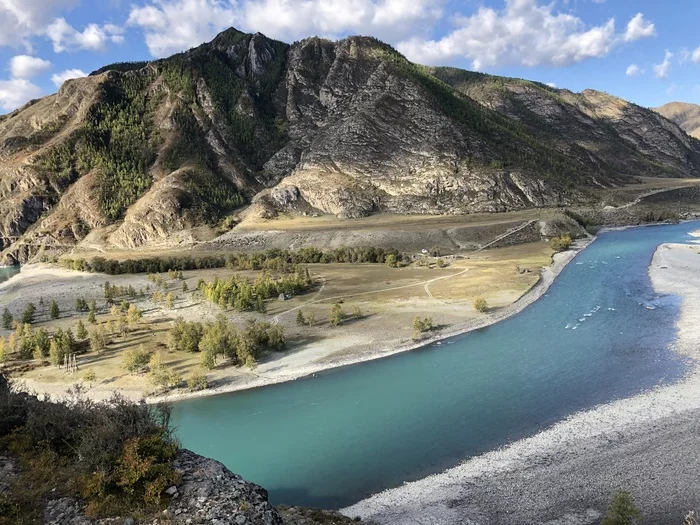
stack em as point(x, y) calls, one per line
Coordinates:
point(138, 153)
point(687, 116)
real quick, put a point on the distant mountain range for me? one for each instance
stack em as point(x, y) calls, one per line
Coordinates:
point(687, 116)
point(138, 152)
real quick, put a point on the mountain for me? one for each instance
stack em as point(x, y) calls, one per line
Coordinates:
point(687, 116)
point(141, 153)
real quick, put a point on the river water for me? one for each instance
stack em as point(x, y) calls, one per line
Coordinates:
point(7, 272)
point(601, 333)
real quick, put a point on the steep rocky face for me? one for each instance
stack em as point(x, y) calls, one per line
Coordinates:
point(687, 116)
point(614, 138)
point(139, 152)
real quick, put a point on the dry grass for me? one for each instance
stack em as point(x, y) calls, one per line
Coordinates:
point(388, 298)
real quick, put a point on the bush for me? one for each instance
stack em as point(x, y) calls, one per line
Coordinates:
point(561, 244)
point(622, 510)
point(197, 381)
point(421, 325)
point(136, 359)
point(480, 305)
point(117, 455)
point(336, 315)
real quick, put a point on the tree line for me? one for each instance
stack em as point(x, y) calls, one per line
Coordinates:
point(274, 259)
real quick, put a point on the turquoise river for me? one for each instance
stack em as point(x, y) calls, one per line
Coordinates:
point(601, 333)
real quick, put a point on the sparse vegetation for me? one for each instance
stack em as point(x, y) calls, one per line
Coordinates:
point(561, 244)
point(421, 325)
point(622, 510)
point(480, 305)
point(117, 455)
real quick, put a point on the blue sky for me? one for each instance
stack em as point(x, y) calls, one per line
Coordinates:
point(646, 51)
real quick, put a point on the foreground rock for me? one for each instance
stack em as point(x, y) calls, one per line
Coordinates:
point(209, 493)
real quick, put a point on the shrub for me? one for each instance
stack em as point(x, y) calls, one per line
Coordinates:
point(197, 381)
point(560, 244)
point(117, 455)
point(136, 359)
point(622, 510)
point(421, 325)
point(336, 315)
point(54, 310)
point(480, 305)
point(90, 376)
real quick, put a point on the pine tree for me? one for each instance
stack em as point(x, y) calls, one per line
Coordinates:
point(7, 319)
point(622, 510)
point(92, 318)
point(54, 309)
point(80, 331)
point(28, 314)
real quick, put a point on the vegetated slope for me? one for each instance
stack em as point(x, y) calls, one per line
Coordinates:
point(139, 152)
point(605, 133)
point(687, 116)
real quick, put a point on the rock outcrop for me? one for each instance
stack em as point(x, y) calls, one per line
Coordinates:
point(142, 152)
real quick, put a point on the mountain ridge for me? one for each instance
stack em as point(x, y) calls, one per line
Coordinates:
point(686, 115)
point(246, 126)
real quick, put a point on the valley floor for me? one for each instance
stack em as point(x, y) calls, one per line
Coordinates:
point(648, 445)
point(388, 298)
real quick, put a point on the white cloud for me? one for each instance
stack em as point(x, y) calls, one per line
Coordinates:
point(16, 92)
point(175, 25)
point(551, 84)
point(24, 66)
point(639, 28)
point(523, 33)
point(634, 70)
point(696, 56)
point(22, 19)
point(664, 68)
point(59, 78)
point(94, 37)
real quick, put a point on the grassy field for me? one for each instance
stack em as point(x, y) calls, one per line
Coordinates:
point(388, 298)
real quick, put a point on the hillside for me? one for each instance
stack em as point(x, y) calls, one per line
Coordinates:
point(139, 154)
point(687, 116)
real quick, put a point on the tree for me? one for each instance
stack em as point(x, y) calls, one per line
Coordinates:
point(7, 319)
point(169, 301)
point(162, 377)
point(42, 343)
point(92, 318)
point(391, 261)
point(54, 309)
point(4, 350)
point(136, 359)
point(28, 314)
point(310, 319)
point(80, 331)
point(184, 286)
point(336, 315)
point(197, 381)
point(622, 510)
point(480, 305)
point(301, 320)
point(134, 314)
point(98, 340)
point(81, 305)
point(560, 244)
point(441, 263)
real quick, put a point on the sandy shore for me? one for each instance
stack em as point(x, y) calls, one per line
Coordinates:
point(648, 444)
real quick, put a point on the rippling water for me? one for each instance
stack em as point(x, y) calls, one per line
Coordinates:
point(601, 333)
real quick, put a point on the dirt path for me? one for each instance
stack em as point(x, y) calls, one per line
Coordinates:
point(316, 300)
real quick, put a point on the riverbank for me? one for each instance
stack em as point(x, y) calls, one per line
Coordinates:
point(384, 330)
point(648, 444)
